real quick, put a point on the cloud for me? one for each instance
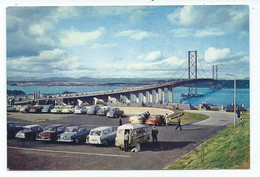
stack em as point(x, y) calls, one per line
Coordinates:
point(45, 62)
point(182, 32)
point(75, 38)
point(213, 19)
point(98, 45)
point(151, 56)
point(212, 54)
point(136, 34)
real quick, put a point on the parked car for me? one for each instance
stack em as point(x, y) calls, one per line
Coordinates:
point(138, 134)
point(93, 109)
point(136, 119)
point(115, 112)
point(155, 120)
point(35, 109)
point(57, 109)
point(81, 110)
point(101, 135)
point(47, 108)
point(29, 132)
point(68, 109)
point(103, 111)
point(25, 109)
point(50, 133)
point(74, 134)
point(12, 129)
point(11, 108)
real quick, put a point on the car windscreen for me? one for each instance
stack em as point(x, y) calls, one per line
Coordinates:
point(71, 129)
point(95, 133)
point(152, 118)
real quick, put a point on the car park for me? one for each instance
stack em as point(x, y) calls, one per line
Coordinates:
point(81, 110)
point(115, 112)
point(93, 109)
point(29, 132)
point(103, 110)
point(12, 129)
point(68, 109)
point(74, 134)
point(155, 120)
point(138, 134)
point(101, 135)
point(50, 133)
point(47, 108)
point(57, 109)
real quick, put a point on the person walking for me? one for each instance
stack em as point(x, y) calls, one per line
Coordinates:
point(126, 139)
point(167, 121)
point(154, 133)
point(179, 124)
point(120, 121)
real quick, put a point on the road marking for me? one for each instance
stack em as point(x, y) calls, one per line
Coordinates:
point(68, 152)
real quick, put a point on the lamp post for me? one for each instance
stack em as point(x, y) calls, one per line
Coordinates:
point(235, 92)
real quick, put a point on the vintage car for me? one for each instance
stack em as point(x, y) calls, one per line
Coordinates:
point(74, 134)
point(103, 111)
point(25, 109)
point(115, 112)
point(93, 109)
point(68, 109)
point(101, 135)
point(12, 129)
point(47, 108)
point(81, 110)
point(57, 109)
point(35, 109)
point(138, 134)
point(50, 133)
point(11, 108)
point(136, 119)
point(29, 132)
point(155, 120)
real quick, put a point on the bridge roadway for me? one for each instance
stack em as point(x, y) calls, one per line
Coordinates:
point(150, 93)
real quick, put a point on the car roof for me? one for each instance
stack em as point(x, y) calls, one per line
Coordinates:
point(101, 128)
point(76, 126)
point(31, 126)
point(55, 125)
point(131, 126)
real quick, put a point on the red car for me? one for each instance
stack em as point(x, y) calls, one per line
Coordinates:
point(50, 133)
point(155, 120)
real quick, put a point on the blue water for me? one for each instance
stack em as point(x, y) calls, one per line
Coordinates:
point(217, 97)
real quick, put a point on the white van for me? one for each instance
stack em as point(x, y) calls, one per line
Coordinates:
point(138, 134)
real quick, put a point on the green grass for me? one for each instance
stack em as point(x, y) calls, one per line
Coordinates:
point(230, 149)
point(190, 117)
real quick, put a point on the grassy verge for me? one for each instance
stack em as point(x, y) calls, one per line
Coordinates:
point(188, 117)
point(230, 149)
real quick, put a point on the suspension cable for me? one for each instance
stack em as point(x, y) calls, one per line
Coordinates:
point(202, 69)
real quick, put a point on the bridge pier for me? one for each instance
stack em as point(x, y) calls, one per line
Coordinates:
point(149, 96)
point(170, 94)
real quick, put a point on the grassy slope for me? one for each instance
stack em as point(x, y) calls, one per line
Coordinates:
point(230, 149)
point(190, 117)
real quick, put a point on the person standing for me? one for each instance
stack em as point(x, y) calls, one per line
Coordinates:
point(167, 121)
point(179, 124)
point(120, 121)
point(126, 139)
point(154, 133)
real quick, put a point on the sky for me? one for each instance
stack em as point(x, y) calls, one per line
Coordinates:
point(127, 41)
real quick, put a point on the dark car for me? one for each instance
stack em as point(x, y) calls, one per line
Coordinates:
point(115, 112)
point(29, 132)
point(35, 109)
point(50, 133)
point(74, 134)
point(25, 109)
point(155, 120)
point(12, 129)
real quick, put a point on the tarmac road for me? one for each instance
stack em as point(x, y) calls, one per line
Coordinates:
point(172, 145)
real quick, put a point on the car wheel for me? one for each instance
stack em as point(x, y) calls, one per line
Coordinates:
point(77, 141)
point(106, 143)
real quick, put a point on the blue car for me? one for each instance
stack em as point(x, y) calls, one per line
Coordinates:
point(75, 134)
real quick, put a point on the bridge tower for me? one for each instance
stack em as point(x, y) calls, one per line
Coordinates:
point(193, 70)
point(215, 72)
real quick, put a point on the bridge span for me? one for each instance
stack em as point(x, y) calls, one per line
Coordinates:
point(144, 94)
